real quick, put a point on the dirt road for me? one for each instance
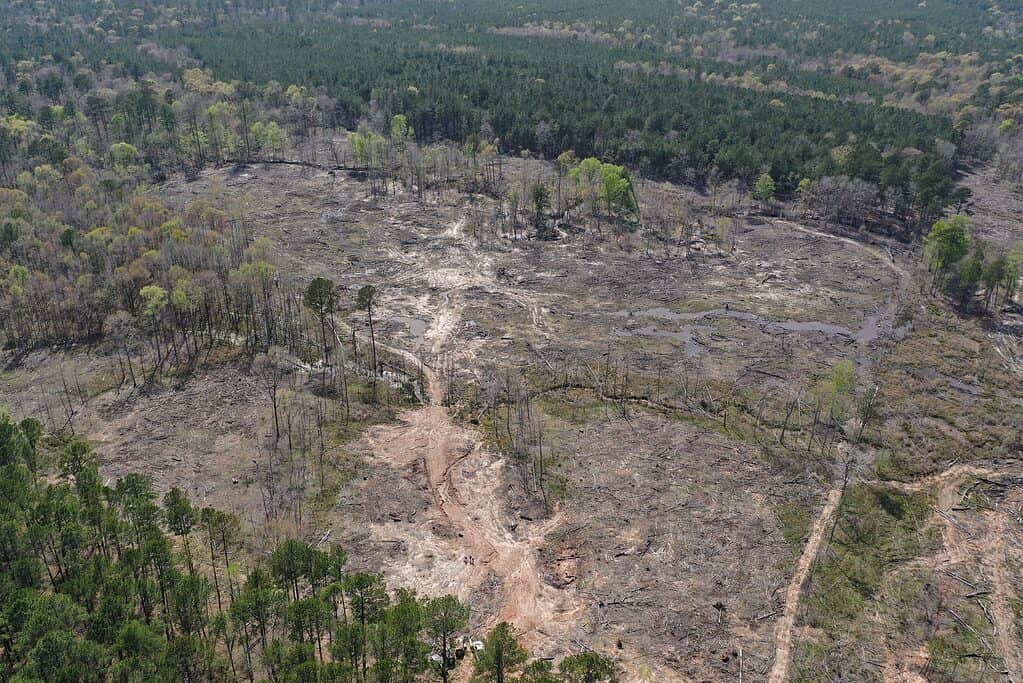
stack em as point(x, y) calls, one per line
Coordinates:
point(793, 596)
point(466, 484)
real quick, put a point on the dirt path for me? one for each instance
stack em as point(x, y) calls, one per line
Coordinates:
point(946, 480)
point(783, 631)
point(903, 274)
point(995, 560)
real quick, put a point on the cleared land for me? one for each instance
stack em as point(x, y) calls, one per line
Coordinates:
point(691, 502)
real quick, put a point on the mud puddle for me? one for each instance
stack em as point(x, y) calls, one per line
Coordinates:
point(416, 327)
point(873, 328)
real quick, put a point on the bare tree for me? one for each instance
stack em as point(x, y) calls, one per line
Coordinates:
point(272, 367)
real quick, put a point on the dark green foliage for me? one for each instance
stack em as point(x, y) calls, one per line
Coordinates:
point(540, 671)
point(593, 96)
point(513, 84)
point(587, 667)
point(92, 589)
point(502, 654)
point(444, 617)
point(965, 275)
point(320, 296)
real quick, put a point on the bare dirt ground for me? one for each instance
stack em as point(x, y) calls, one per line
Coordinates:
point(483, 550)
point(465, 481)
point(662, 532)
point(666, 547)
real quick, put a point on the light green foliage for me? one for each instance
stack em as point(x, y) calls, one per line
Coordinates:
point(843, 377)
point(585, 177)
point(968, 277)
point(124, 154)
point(15, 279)
point(187, 295)
point(948, 241)
point(724, 232)
point(366, 145)
point(764, 188)
point(1013, 269)
point(269, 139)
point(616, 189)
point(154, 301)
point(401, 132)
point(838, 391)
point(604, 185)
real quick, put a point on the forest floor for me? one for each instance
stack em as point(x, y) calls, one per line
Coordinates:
point(683, 538)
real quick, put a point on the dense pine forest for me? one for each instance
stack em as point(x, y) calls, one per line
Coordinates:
point(663, 132)
point(658, 99)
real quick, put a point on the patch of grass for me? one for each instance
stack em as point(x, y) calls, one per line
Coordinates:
point(340, 464)
point(863, 595)
point(877, 528)
point(574, 406)
point(905, 313)
point(962, 653)
point(13, 380)
point(891, 466)
point(796, 520)
point(379, 395)
point(809, 663)
point(825, 662)
point(930, 418)
point(978, 495)
point(101, 382)
point(739, 426)
point(225, 354)
point(337, 434)
point(695, 306)
point(557, 487)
